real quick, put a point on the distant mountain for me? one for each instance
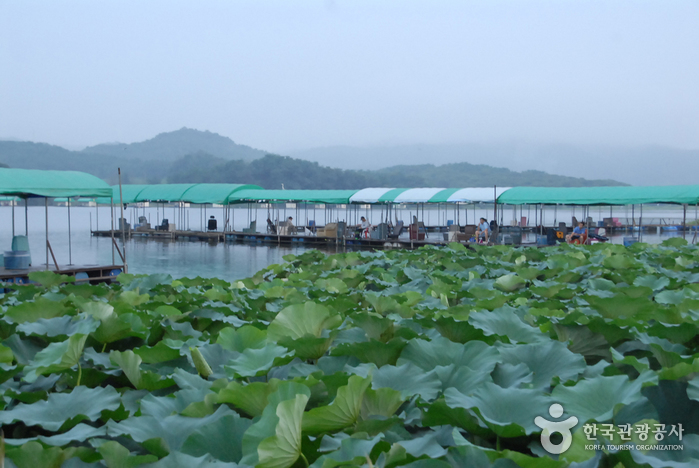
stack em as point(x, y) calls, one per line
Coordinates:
point(274, 171)
point(193, 156)
point(650, 165)
point(172, 145)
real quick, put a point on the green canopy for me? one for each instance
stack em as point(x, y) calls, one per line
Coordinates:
point(214, 193)
point(600, 195)
point(316, 196)
point(35, 183)
point(163, 192)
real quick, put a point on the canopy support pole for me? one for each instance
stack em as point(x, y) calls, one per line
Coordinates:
point(640, 225)
point(70, 245)
point(46, 210)
point(111, 231)
point(26, 218)
point(13, 218)
point(97, 214)
point(495, 202)
point(123, 227)
point(684, 221)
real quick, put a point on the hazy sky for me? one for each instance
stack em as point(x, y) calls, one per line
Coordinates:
point(283, 75)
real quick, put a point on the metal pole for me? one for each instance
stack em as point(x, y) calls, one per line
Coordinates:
point(26, 218)
point(46, 209)
point(70, 247)
point(684, 221)
point(123, 228)
point(111, 210)
point(97, 211)
point(13, 218)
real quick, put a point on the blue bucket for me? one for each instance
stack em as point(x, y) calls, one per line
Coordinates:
point(16, 260)
point(541, 240)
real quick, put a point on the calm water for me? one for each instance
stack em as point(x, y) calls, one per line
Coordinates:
point(235, 261)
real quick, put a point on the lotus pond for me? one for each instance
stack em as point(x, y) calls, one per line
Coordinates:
point(435, 358)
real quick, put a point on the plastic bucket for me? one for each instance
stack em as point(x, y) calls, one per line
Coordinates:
point(541, 240)
point(18, 260)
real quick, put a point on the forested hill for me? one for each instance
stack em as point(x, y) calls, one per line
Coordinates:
point(272, 171)
point(171, 145)
point(188, 155)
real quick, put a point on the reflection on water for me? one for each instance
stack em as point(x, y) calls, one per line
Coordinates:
point(178, 258)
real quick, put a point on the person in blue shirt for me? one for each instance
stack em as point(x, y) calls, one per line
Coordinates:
point(576, 237)
point(483, 230)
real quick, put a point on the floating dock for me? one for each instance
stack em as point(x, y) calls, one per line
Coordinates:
point(92, 274)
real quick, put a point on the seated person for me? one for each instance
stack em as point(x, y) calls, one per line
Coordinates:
point(483, 230)
point(578, 236)
point(290, 228)
point(365, 227)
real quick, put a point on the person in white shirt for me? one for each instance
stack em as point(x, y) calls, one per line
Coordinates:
point(483, 230)
point(290, 228)
point(365, 227)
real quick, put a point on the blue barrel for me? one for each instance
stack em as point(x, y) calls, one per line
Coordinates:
point(16, 260)
point(628, 241)
point(541, 240)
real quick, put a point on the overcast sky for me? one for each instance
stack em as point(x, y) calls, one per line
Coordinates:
point(284, 75)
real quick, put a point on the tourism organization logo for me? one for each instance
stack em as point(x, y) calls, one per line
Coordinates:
point(650, 438)
point(551, 427)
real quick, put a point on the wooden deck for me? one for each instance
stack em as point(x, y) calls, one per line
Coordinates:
point(275, 239)
point(93, 274)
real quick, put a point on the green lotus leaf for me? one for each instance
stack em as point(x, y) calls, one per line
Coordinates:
point(427, 355)
point(80, 433)
point(372, 351)
point(504, 322)
point(439, 414)
point(620, 262)
point(693, 389)
point(173, 429)
point(116, 455)
point(179, 459)
point(284, 447)
point(41, 308)
point(56, 357)
point(6, 355)
point(223, 439)
point(545, 360)
point(59, 326)
point(308, 347)
point(240, 339)
point(598, 398)
point(266, 426)
point(674, 242)
point(253, 362)
point(33, 455)
point(654, 282)
point(350, 451)
point(130, 363)
point(251, 398)
point(81, 404)
point(427, 445)
point(425, 384)
point(380, 402)
point(299, 320)
point(509, 283)
point(332, 285)
point(49, 279)
point(670, 297)
point(502, 409)
point(133, 298)
point(342, 412)
point(116, 327)
point(622, 307)
point(157, 354)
